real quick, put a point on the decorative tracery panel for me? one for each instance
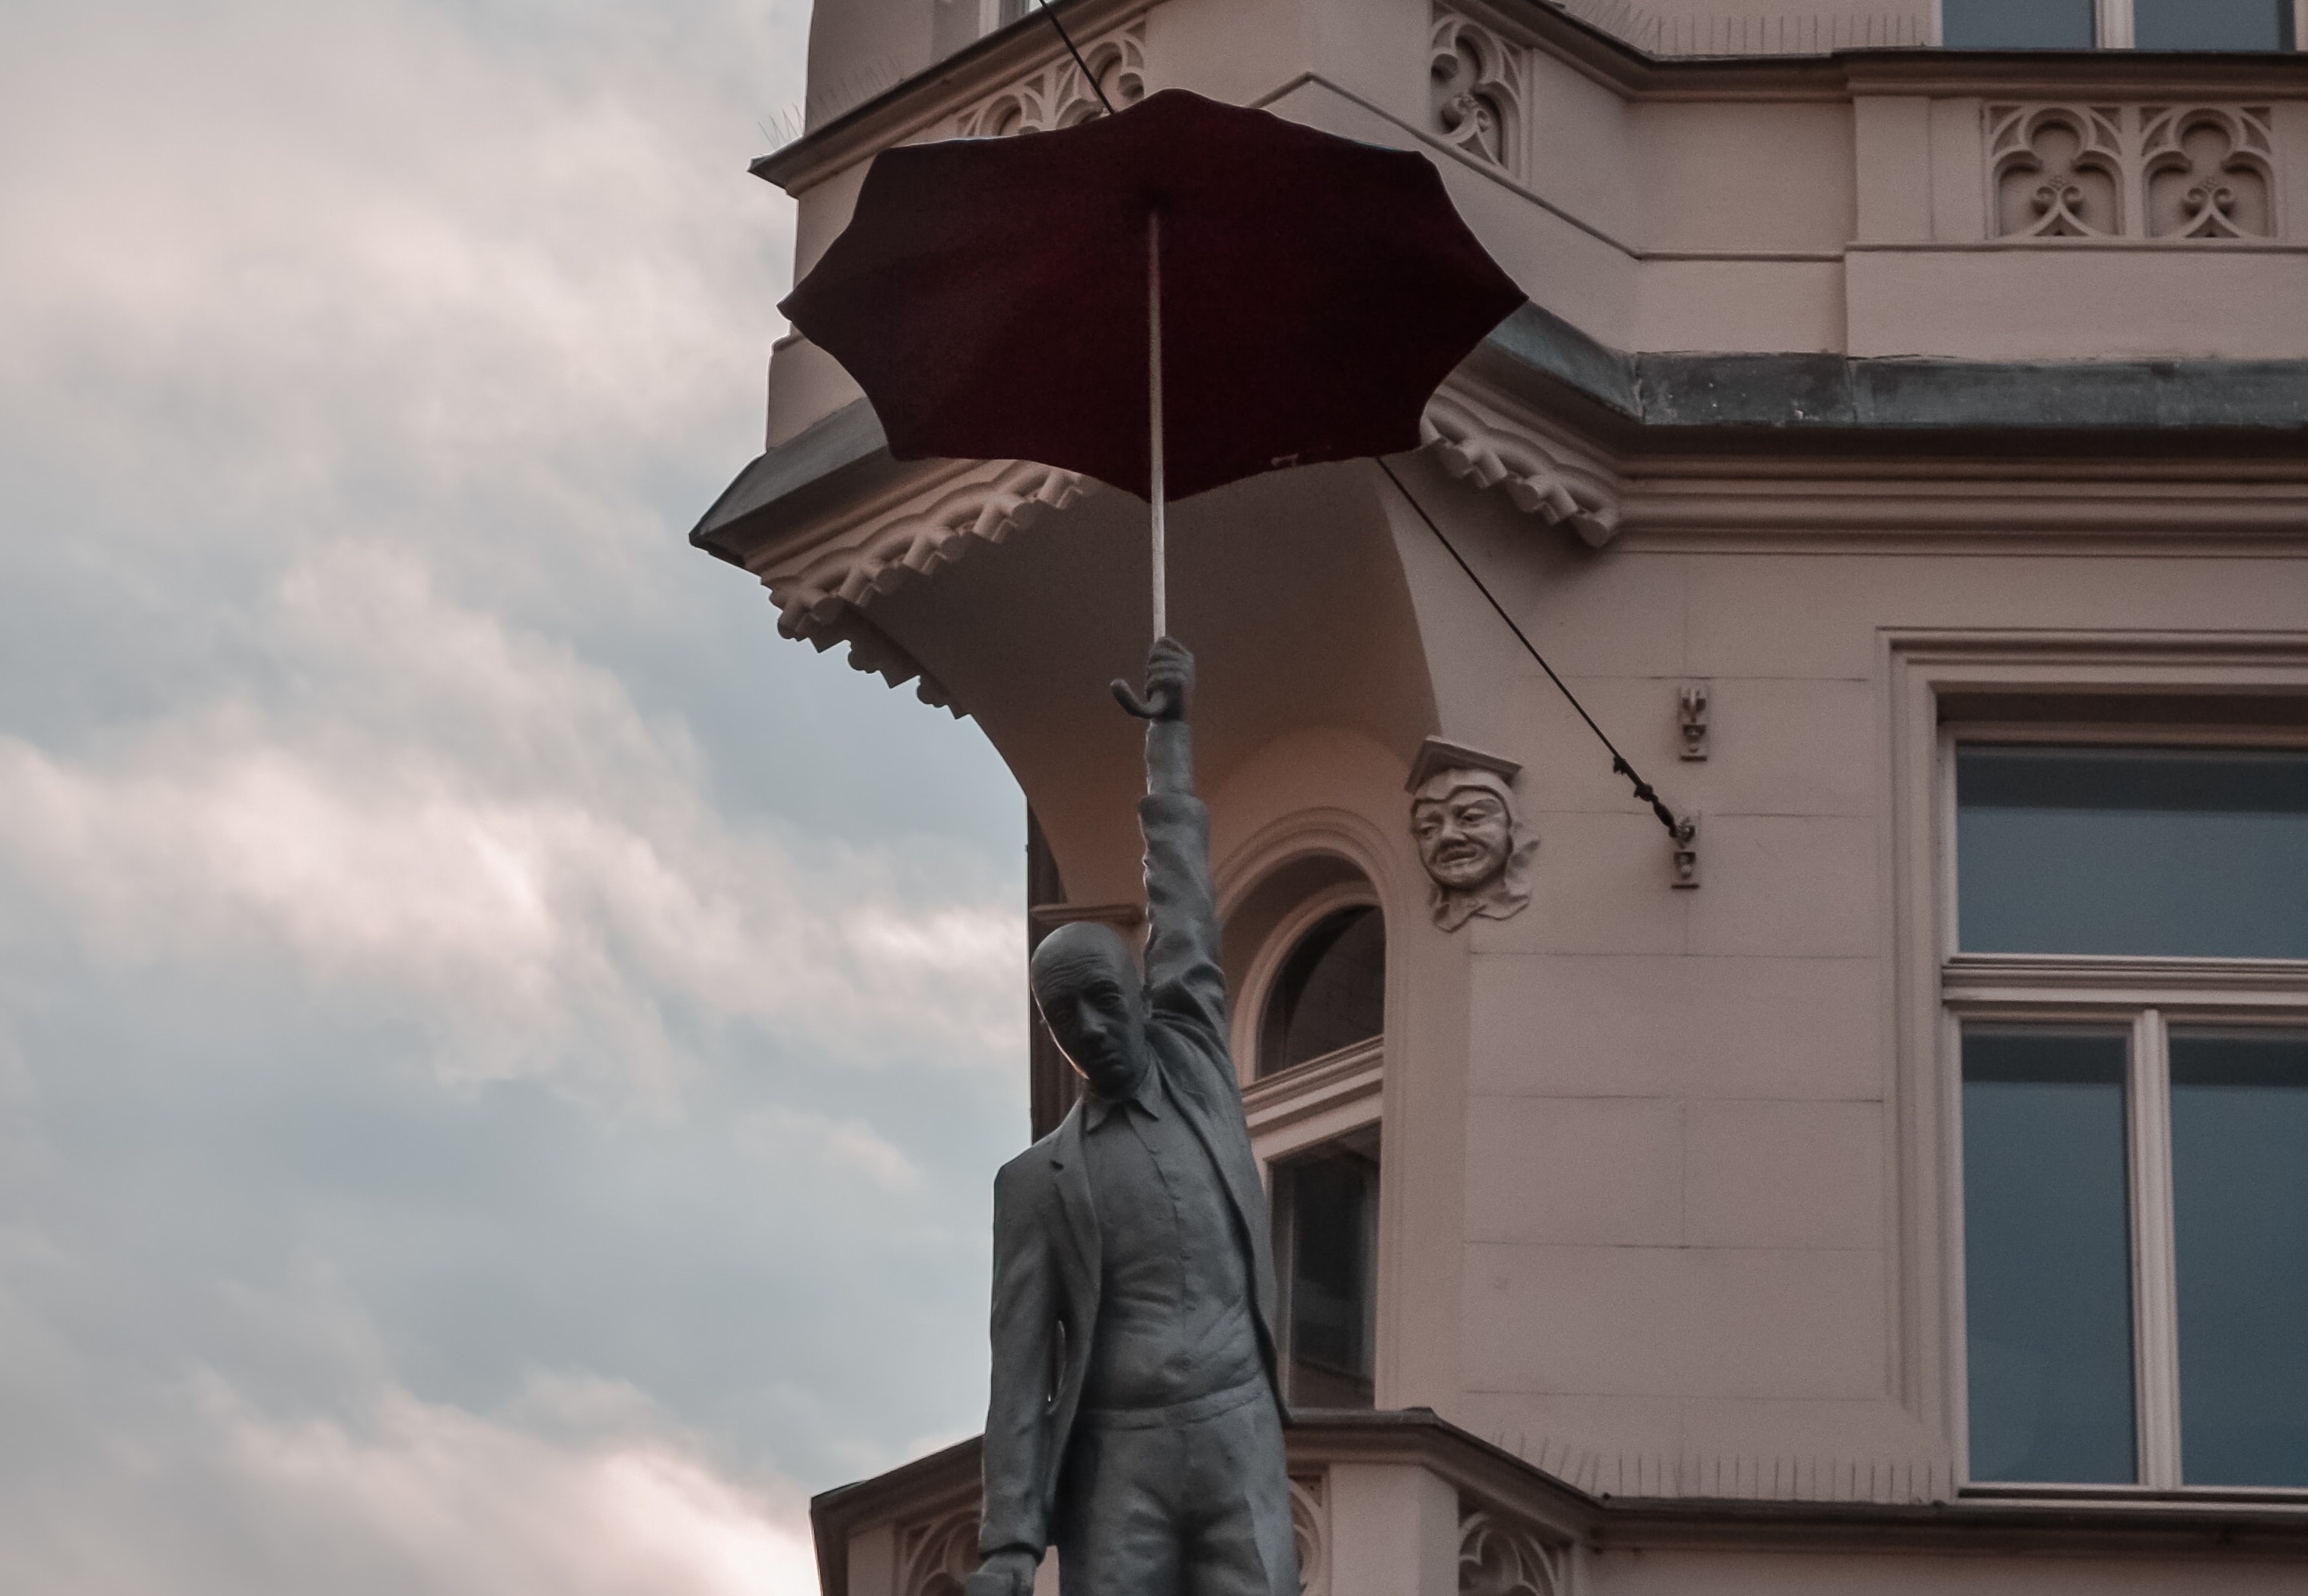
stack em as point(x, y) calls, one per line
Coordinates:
point(1497, 1557)
point(1310, 1532)
point(2058, 171)
point(1476, 90)
point(1059, 95)
point(2135, 171)
point(2209, 171)
point(935, 1555)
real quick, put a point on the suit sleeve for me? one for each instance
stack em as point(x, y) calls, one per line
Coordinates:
point(1184, 979)
point(1024, 1329)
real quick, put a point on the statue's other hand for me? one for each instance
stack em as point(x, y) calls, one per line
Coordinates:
point(1170, 681)
point(1008, 1572)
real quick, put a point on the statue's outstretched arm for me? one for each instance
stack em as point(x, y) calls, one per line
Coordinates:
point(1183, 974)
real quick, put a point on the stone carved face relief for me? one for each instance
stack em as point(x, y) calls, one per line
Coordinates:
point(1472, 845)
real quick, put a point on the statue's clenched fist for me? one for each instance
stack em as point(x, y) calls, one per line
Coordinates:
point(1007, 1572)
point(1170, 681)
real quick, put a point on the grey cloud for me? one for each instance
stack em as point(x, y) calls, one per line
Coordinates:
point(491, 1041)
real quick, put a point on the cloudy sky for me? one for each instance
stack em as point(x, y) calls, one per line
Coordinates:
point(501, 1058)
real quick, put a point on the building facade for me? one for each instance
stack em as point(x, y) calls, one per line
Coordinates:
point(1900, 1183)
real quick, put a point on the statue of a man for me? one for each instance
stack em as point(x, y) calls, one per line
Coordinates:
point(1135, 1419)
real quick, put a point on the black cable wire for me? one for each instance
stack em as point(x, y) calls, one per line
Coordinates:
point(1644, 792)
point(1087, 76)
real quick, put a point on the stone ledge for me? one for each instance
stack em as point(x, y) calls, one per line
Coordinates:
point(1491, 1481)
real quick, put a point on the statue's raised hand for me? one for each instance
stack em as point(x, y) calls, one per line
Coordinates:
point(1170, 681)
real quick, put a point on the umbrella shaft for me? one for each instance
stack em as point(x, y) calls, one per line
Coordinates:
point(1154, 416)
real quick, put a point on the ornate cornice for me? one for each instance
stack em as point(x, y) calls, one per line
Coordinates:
point(821, 587)
point(1489, 440)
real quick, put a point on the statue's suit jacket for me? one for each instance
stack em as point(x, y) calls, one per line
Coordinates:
point(1046, 1250)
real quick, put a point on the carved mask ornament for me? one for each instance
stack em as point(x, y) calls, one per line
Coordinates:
point(1473, 844)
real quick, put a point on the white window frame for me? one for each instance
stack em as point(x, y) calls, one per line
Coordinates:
point(2112, 24)
point(1936, 988)
point(2146, 997)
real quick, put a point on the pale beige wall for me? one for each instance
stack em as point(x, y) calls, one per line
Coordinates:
point(1683, 1236)
point(857, 47)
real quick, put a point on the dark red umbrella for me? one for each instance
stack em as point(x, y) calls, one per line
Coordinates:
point(997, 299)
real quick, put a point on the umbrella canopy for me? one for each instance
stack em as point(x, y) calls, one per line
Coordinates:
point(991, 296)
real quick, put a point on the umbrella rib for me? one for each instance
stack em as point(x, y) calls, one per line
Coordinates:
point(1087, 76)
point(1644, 792)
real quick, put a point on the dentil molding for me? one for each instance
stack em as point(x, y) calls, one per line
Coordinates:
point(1481, 439)
point(822, 589)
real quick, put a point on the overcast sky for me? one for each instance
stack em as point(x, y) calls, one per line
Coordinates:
point(502, 1059)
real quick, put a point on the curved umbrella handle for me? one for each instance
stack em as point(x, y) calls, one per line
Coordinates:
point(1161, 705)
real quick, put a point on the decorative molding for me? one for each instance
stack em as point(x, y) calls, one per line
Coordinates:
point(1497, 1557)
point(1477, 88)
point(1760, 33)
point(983, 502)
point(1492, 444)
point(2195, 172)
point(935, 1555)
point(1058, 94)
point(820, 589)
point(877, 654)
point(1736, 1477)
point(1310, 1530)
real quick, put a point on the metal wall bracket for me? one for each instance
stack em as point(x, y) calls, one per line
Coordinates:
point(1692, 713)
point(1687, 852)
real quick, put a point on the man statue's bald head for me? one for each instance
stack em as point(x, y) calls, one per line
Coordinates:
point(1088, 990)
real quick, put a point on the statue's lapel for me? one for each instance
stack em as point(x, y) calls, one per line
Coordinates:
point(1227, 1139)
point(1070, 1173)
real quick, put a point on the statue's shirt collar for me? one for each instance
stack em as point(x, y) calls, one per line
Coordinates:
point(1147, 1100)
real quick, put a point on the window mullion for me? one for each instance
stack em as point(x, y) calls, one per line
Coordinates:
point(2155, 1289)
point(2115, 24)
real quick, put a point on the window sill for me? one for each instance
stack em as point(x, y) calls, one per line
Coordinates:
point(2117, 1498)
point(2036, 977)
point(1315, 1101)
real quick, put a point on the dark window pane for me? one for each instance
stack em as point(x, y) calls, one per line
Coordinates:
point(1329, 993)
point(2240, 1201)
point(2017, 24)
point(2212, 25)
point(1327, 1209)
point(2047, 1255)
point(2152, 851)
